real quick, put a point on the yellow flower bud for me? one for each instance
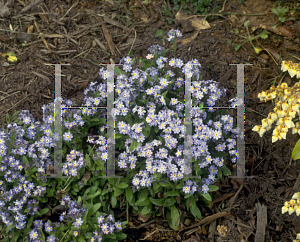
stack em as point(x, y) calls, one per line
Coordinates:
point(296, 195)
point(274, 138)
point(263, 94)
point(297, 209)
point(257, 50)
point(264, 123)
point(298, 74)
point(285, 106)
point(280, 121)
point(284, 209)
point(287, 92)
point(262, 131)
point(291, 210)
point(270, 122)
point(292, 71)
point(273, 95)
point(292, 114)
point(292, 202)
point(274, 116)
point(256, 128)
point(295, 107)
point(284, 66)
point(12, 58)
point(281, 113)
point(289, 123)
point(283, 135)
point(294, 131)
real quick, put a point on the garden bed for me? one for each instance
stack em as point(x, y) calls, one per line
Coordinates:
point(87, 33)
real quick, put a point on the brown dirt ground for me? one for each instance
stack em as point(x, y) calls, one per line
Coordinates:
point(94, 32)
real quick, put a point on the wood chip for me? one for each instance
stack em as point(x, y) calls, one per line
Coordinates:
point(261, 222)
point(41, 76)
point(31, 5)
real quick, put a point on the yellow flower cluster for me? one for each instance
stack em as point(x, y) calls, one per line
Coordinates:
point(297, 239)
point(292, 68)
point(293, 205)
point(287, 106)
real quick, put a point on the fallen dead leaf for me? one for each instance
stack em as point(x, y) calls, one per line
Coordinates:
point(273, 53)
point(86, 176)
point(198, 23)
point(188, 40)
point(286, 31)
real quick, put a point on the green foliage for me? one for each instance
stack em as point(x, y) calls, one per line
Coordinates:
point(191, 6)
point(249, 38)
point(280, 12)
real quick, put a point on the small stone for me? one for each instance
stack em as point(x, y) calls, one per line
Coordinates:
point(187, 222)
point(22, 37)
point(199, 231)
point(130, 224)
point(146, 234)
point(4, 11)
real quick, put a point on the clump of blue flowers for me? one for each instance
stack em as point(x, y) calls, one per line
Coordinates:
point(150, 133)
point(163, 114)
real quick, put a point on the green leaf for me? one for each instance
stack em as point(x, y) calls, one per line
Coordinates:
point(128, 193)
point(213, 188)
point(122, 185)
point(275, 11)
point(118, 192)
point(121, 237)
point(25, 161)
point(146, 131)
point(296, 151)
point(142, 195)
point(16, 236)
point(169, 202)
point(175, 218)
point(196, 212)
point(172, 193)
point(134, 145)
point(160, 33)
point(129, 119)
point(95, 208)
point(206, 196)
point(158, 202)
point(143, 202)
point(43, 211)
point(164, 94)
point(113, 201)
point(118, 71)
point(7, 119)
point(246, 24)
point(226, 171)
point(30, 222)
point(94, 194)
point(147, 209)
point(156, 129)
point(237, 47)
point(264, 34)
point(118, 136)
point(112, 181)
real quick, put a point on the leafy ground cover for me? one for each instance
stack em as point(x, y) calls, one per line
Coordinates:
point(86, 33)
